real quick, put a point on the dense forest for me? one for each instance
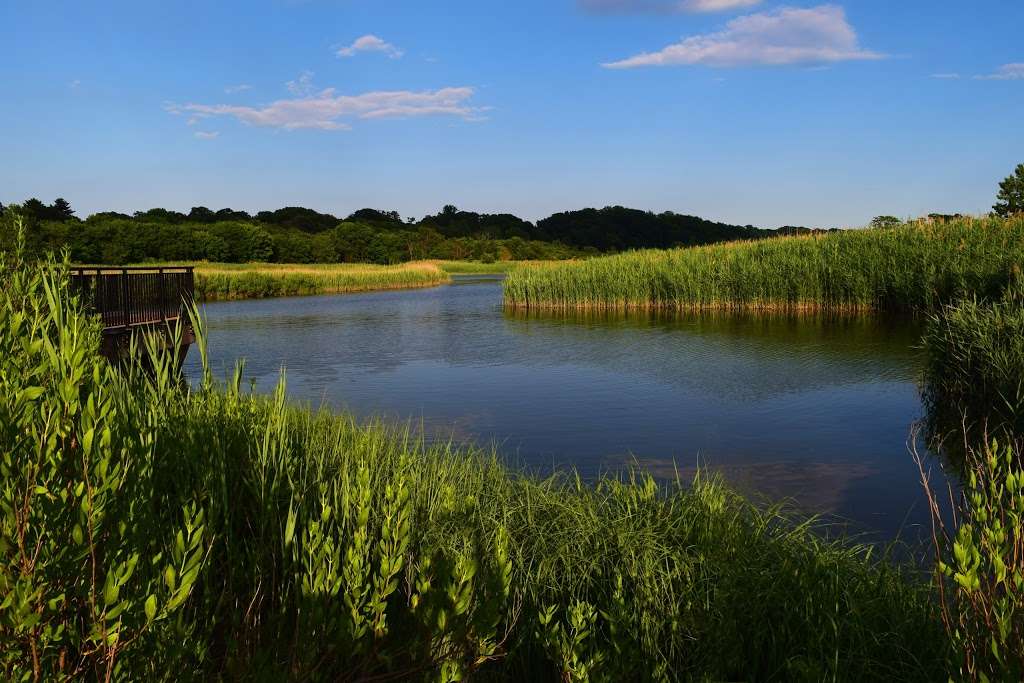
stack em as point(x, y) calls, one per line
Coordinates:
point(301, 235)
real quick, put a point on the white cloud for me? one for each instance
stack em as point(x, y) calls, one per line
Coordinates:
point(75, 84)
point(1007, 72)
point(666, 5)
point(817, 35)
point(206, 134)
point(717, 5)
point(370, 43)
point(301, 86)
point(241, 87)
point(946, 76)
point(329, 111)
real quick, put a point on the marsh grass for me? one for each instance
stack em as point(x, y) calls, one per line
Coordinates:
point(482, 268)
point(914, 267)
point(974, 365)
point(218, 281)
point(307, 546)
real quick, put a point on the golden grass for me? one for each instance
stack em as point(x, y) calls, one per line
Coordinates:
point(219, 281)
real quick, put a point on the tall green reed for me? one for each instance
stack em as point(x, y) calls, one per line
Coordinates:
point(974, 365)
point(918, 266)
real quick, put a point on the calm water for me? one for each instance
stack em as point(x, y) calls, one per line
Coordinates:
point(816, 410)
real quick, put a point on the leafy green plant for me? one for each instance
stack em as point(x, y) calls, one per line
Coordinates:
point(981, 568)
point(92, 571)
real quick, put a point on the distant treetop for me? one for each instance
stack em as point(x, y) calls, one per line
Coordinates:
point(1010, 200)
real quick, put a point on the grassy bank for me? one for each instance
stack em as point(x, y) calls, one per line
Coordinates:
point(149, 532)
point(918, 266)
point(219, 281)
point(974, 367)
point(493, 268)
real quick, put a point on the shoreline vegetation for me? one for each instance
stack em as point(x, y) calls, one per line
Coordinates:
point(225, 281)
point(216, 533)
point(913, 267)
point(167, 532)
point(238, 281)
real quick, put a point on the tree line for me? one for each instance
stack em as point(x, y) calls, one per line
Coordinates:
point(301, 235)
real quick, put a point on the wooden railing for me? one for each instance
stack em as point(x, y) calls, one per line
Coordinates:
point(131, 297)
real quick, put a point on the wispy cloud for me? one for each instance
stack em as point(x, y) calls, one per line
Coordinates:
point(327, 110)
point(75, 84)
point(666, 5)
point(1007, 72)
point(206, 134)
point(241, 87)
point(946, 76)
point(370, 43)
point(817, 35)
point(301, 86)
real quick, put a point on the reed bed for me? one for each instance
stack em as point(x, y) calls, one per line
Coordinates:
point(974, 369)
point(482, 268)
point(149, 531)
point(218, 281)
point(913, 267)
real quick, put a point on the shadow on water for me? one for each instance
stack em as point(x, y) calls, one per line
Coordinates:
point(813, 408)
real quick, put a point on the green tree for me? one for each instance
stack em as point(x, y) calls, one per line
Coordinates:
point(885, 221)
point(61, 210)
point(259, 246)
point(1010, 199)
point(34, 209)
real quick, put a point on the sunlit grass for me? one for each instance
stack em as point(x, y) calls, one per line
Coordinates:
point(215, 281)
point(915, 267)
point(479, 267)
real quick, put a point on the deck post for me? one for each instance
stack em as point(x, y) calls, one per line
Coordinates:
point(125, 308)
point(163, 297)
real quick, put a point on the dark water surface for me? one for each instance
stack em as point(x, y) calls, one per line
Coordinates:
point(817, 410)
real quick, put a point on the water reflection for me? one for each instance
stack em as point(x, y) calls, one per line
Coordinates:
point(813, 408)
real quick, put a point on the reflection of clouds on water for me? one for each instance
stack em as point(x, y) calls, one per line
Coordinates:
point(783, 405)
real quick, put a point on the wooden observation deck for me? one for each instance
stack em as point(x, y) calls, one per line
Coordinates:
point(132, 299)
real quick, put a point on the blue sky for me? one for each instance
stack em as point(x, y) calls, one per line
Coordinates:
point(743, 111)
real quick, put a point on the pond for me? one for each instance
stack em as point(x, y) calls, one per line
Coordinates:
point(816, 410)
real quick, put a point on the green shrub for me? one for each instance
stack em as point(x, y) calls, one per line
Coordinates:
point(98, 555)
point(981, 568)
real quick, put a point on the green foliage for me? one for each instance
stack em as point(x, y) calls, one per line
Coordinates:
point(1010, 200)
point(917, 267)
point(97, 557)
point(301, 235)
point(974, 369)
point(981, 569)
point(231, 536)
point(885, 222)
